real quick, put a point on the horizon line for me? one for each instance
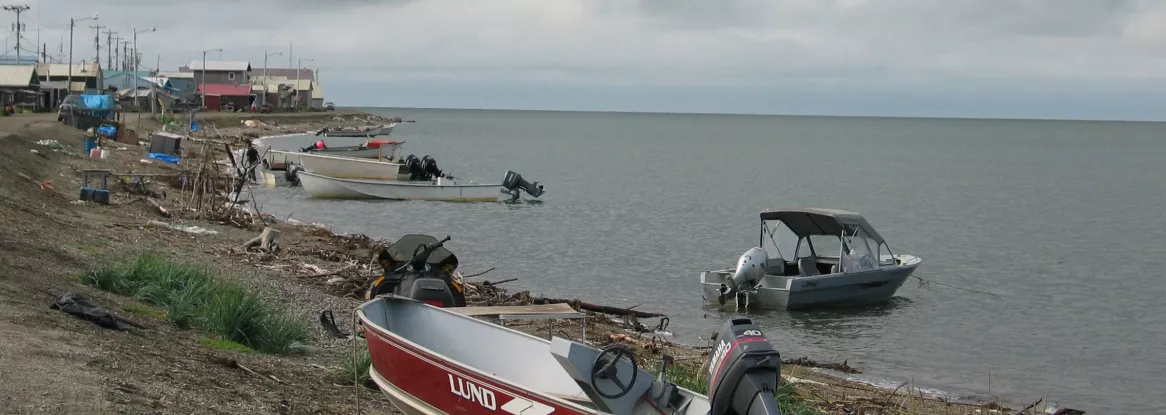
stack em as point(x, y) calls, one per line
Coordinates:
point(918, 117)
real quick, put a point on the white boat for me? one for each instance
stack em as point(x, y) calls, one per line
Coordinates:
point(833, 264)
point(353, 168)
point(437, 361)
point(367, 131)
point(439, 189)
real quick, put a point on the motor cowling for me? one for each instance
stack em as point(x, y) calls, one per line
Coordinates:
point(751, 268)
point(424, 168)
point(744, 371)
point(514, 181)
point(291, 173)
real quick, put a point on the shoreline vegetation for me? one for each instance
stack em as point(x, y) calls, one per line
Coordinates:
point(230, 328)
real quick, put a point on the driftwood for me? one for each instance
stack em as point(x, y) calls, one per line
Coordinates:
point(161, 210)
point(596, 307)
point(268, 241)
point(234, 364)
point(329, 273)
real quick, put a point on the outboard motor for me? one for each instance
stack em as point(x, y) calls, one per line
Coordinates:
point(514, 181)
point(424, 168)
point(291, 173)
point(751, 268)
point(744, 371)
point(429, 166)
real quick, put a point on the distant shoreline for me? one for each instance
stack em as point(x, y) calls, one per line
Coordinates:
point(892, 117)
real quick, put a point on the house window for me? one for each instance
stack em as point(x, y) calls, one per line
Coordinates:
point(231, 76)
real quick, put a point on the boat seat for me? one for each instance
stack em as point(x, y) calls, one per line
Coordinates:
point(808, 266)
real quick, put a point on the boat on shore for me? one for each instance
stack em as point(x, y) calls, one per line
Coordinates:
point(371, 149)
point(378, 149)
point(366, 131)
point(437, 361)
point(443, 189)
point(837, 260)
point(353, 168)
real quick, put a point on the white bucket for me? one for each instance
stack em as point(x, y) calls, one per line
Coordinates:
point(104, 153)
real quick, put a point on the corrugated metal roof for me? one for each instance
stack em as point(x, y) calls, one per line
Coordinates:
point(77, 86)
point(80, 70)
point(16, 75)
point(180, 75)
point(221, 66)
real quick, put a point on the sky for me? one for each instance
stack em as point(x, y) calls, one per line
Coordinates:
point(1082, 59)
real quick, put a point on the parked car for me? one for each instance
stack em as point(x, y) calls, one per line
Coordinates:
point(66, 107)
point(328, 106)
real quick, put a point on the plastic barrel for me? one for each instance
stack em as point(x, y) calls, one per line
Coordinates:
point(90, 144)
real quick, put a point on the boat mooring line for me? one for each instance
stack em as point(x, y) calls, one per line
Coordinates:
point(923, 283)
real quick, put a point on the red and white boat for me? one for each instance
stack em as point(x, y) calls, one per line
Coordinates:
point(436, 361)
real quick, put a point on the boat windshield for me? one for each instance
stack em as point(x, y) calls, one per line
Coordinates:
point(857, 254)
point(778, 240)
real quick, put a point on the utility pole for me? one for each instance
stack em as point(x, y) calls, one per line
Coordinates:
point(18, 27)
point(97, 43)
point(109, 49)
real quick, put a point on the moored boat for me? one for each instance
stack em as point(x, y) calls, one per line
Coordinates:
point(366, 131)
point(439, 189)
point(435, 361)
point(353, 168)
point(837, 260)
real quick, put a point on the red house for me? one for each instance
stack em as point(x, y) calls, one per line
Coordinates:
point(218, 96)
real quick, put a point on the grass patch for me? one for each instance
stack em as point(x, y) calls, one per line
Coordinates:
point(142, 310)
point(223, 344)
point(193, 297)
point(694, 379)
point(355, 369)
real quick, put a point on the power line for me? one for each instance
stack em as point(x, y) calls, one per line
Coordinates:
point(18, 26)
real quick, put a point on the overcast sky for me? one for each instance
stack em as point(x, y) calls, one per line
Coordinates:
point(1099, 59)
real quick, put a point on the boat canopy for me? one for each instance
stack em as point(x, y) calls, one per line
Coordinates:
point(819, 221)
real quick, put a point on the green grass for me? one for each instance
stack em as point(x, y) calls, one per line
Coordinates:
point(223, 344)
point(694, 379)
point(142, 310)
point(193, 297)
point(354, 369)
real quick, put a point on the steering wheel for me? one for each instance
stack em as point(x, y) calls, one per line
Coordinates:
point(605, 368)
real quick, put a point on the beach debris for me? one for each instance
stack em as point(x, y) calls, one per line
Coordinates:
point(192, 229)
point(78, 305)
point(267, 241)
point(234, 364)
point(329, 323)
point(807, 362)
point(51, 144)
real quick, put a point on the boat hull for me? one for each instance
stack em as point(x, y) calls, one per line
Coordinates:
point(821, 291)
point(323, 187)
point(375, 132)
point(420, 382)
point(353, 168)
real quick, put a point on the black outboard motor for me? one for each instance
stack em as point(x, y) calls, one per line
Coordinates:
point(513, 181)
point(424, 168)
point(744, 371)
point(291, 173)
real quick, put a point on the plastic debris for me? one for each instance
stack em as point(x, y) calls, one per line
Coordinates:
point(52, 144)
point(79, 306)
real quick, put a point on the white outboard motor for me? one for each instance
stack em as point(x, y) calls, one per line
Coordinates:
point(751, 268)
point(744, 371)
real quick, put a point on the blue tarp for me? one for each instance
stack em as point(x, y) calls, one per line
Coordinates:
point(95, 102)
point(164, 157)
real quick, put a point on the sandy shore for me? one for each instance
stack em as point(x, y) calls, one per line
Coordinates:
point(51, 362)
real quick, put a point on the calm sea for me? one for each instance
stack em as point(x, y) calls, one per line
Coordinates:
point(1059, 227)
